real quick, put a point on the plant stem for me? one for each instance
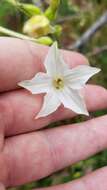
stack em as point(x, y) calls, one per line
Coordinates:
point(16, 34)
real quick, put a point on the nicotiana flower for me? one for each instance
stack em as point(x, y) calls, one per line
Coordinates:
point(61, 84)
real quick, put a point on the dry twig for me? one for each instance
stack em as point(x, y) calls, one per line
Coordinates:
point(97, 51)
point(90, 32)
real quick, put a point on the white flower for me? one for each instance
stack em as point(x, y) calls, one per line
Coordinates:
point(61, 84)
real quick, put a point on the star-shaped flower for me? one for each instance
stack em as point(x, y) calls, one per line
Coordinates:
point(61, 84)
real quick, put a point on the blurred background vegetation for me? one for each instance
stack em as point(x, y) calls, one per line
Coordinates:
point(74, 18)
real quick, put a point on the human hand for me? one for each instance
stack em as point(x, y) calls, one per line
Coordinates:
point(28, 154)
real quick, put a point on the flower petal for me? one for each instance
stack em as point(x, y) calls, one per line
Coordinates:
point(78, 76)
point(73, 100)
point(54, 62)
point(51, 103)
point(41, 83)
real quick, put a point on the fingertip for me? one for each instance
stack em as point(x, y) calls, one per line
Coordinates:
point(74, 58)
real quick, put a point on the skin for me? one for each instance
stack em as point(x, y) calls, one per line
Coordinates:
point(28, 154)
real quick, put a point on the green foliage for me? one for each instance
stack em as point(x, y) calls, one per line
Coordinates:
point(5, 11)
point(29, 9)
point(52, 10)
point(67, 9)
point(26, 8)
point(38, 24)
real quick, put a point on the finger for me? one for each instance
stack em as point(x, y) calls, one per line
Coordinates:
point(19, 108)
point(50, 150)
point(20, 60)
point(94, 181)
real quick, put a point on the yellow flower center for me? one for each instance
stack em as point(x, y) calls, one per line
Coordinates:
point(58, 83)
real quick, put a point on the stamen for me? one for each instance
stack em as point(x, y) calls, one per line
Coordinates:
point(58, 83)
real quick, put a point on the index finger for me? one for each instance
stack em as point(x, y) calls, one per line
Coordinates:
point(21, 60)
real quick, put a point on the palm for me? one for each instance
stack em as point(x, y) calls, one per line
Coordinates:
point(28, 154)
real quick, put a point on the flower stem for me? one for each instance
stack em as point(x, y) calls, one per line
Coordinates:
point(16, 34)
